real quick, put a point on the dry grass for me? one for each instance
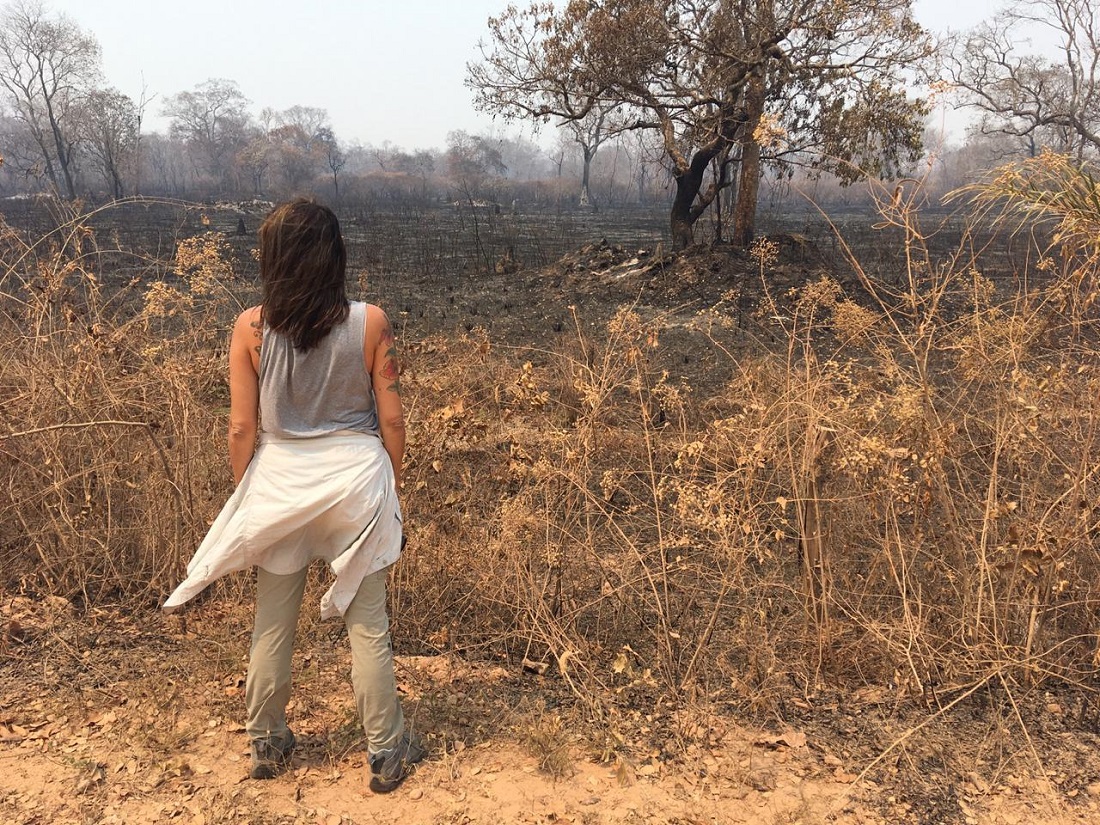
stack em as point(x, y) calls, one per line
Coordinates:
point(546, 739)
point(902, 495)
point(112, 402)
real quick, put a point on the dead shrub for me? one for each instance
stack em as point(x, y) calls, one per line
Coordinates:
point(111, 397)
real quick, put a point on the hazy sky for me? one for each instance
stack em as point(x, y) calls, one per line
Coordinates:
point(384, 69)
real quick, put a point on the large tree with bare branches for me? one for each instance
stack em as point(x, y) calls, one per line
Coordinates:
point(1050, 101)
point(590, 132)
point(48, 68)
point(212, 120)
point(724, 82)
point(113, 129)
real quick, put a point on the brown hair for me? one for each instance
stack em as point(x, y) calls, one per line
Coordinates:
point(302, 266)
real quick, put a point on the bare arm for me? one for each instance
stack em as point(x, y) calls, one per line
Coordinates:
point(385, 373)
point(244, 390)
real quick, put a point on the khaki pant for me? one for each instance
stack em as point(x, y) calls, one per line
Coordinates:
point(267, 690)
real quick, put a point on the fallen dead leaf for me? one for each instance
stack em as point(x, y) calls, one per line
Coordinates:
point(840, 775)
point(624, 773)
point(790, 739)
point(91, 779)
point(9, 734)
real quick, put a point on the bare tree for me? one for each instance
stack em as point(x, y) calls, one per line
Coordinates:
point(164, 163)
point(334, 155)
point(48, 67)
point(254, 159)
point(212, 120)
point(298, 154)
point(21, 152)
point(522, 158)
point(590, 132)
point(1039, 101)
point(646, 155)
point(113, 124)
point(472, 160)
point(309, 120)
point(268, 119)
point(417, 166)
point(290, 142)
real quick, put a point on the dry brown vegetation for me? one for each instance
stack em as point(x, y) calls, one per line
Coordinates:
point(893, 496)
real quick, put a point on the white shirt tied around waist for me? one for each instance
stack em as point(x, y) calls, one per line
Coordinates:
point(331, 497)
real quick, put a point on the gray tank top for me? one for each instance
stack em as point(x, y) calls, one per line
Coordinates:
point(319, 392)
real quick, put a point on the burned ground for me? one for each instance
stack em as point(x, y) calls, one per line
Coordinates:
point(113, 713)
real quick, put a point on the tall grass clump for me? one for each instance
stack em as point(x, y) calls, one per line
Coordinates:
point(902, 494)
point(899, 490)
point(111, 385)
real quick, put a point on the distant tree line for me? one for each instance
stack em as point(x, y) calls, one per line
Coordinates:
point(709, 109)
point(64, 130)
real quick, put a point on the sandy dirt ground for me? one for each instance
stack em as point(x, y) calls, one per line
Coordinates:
point(132, 719)
point(95, 772)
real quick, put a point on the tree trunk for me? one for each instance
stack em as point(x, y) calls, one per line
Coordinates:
point(64, 156)
point(748, 188)
point(721, 204)
point(682, 221)
point(66, 168)
point(748, 193)
point(51, 173)
point(586, 197)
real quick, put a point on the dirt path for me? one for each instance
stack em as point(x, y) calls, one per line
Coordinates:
point(123, 755)
point(491, 783)
point(115, 716)
point(127, 752)
point(96, 777)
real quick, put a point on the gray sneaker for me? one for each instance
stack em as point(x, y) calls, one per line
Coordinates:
point(389, 768)
point(270, 755)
